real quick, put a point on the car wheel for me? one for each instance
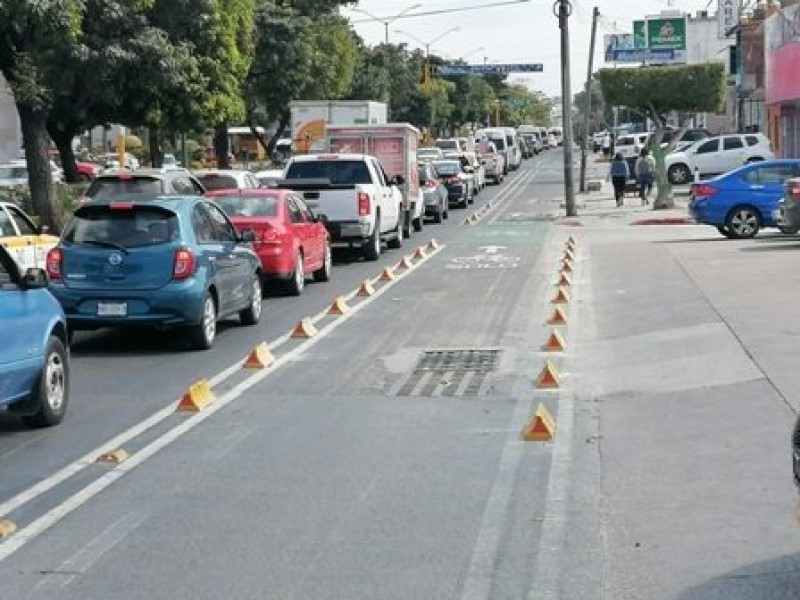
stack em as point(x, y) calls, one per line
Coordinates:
point(679, 173)
point(417, 224)
point(788, 230)
point(397, 240)
point(52, 389)
point(723, 229)
point(202, 335)
point(437, 217)
point(298, 280)
point(743, 222)
point(252, 314)
point(324, 272)
point(372, 249)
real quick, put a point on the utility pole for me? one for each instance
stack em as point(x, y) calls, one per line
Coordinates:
point(588, 120)
point(563, 9)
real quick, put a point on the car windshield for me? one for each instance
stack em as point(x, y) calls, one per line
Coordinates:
point(339, 172)
point(129, 227)
point(105, 188)
point(499, 142)
point(261, 205)
point(13, 172)
point(216, 181)
point(448, 167)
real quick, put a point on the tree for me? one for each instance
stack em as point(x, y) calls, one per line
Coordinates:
point(33, 35)
point(657, 91)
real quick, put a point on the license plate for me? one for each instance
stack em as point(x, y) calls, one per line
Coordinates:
point(112, 309)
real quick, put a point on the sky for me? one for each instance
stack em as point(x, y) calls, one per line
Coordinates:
point(523, 33)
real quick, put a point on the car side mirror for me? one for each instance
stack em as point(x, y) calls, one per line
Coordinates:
point(248, 235)
point(35, 279)
point(321, 218)
point(398, 180)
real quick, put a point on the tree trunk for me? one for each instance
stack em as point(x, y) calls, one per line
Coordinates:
point(63, 141)
point(222, 146)
point(156, 152)
point(286, 118)
point(40, 178)
point(664, 198)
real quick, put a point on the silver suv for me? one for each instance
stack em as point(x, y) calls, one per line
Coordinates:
point(716, 155)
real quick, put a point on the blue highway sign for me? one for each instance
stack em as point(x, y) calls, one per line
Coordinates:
point(493, 69)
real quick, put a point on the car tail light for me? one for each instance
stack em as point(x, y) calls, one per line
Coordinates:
point(54, 263)
point(794, 190)
point(455, 179)
point(430, 184)
point(704, 190)
point(270, 236)
point(184, 264)
point(364, 204)
point(120, 205)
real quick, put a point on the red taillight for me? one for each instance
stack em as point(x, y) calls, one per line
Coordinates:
point(704, 190)
point(270, 236)
point(184, 264)
point(430, 184)
point(794, 190)
point(364, 204)
point(120, 205)
point(53, 264)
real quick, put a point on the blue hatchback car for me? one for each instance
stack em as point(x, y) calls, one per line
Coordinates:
point(34, 358)
point(168, 262)
point(741, 202)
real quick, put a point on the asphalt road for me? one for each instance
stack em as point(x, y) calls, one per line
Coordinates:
point(381, 458)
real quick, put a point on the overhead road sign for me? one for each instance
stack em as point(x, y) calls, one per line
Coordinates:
point(644, 55)
point(493, 69)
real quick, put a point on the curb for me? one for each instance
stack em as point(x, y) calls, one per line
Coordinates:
point(664, 221)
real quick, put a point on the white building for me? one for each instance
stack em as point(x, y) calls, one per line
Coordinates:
point(10, 131)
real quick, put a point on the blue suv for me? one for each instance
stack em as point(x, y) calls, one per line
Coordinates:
point(34, 359)
point(168, 262)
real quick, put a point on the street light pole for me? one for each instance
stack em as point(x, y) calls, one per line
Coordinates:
point(563, 9)
point(588, 119)
point(386, 21)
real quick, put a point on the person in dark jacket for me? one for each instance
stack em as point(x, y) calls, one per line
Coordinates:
point(618, 173)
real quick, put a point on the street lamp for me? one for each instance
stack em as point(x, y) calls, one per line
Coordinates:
point(472, 52)
point(427, 45)
point(387, 20)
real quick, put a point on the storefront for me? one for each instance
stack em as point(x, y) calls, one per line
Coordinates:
point(782, 56)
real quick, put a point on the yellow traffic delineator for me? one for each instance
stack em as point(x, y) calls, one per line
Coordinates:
point(339, 307)
point(405, 263)
point(466, 221)
point(197, 397)
point(571, 240)
point(366, 289)
point(541, 427)
point(433, 244)
point(569, 254)
point(548, 378)
point(260, 357)
point(387, 275)
point(114, 457)
point(562, 296)
point(304, 329)
point(558, 317)
point(7, 528)
point(554, 343)
point(473, 218)
point(420, 253)
point(566, 267)
point(564, 280)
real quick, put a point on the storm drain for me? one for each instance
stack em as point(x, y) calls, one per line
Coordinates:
point(450, 373)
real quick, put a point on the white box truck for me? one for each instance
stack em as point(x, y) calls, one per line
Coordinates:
point(311, 117)
point(395, 146)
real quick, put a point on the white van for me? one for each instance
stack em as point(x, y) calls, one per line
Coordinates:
point(558, 133)
point(498, 136)
point(514, 151)
point(630, 144)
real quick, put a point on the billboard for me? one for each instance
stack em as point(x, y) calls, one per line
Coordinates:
point(666, 33)
point(728, 12)
point(640, 34)
point(782, 55)
point(616, 41)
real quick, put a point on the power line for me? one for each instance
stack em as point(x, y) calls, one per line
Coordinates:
point(442, 11)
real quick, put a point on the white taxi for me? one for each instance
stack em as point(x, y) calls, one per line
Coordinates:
point(25, 242)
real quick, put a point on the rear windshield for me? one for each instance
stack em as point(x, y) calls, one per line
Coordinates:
point(105, 188)
point(340, 172)
point(127, 228)
point(499, 142)
point(249, 206)
point(448, 168)
point(212, 182)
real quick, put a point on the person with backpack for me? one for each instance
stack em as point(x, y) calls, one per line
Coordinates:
point(645, 171)
point(618, 173)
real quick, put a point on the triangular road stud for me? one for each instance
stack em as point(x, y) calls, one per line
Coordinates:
point(304, 329)
point(260, 357)
point(7, 528)
point(420, 253)
point(566, 267)
point(548, 378)
point(562, 296)
point(405, 263)
point(433, 244)
point(339, 307)
point(541, 427)
point(569, 254)
point(564, 280)
point(197, 397)
point(366, 289)
point(554, 343)
point(558, 317)
point(387, 275)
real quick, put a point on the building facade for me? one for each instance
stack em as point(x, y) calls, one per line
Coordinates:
point(782, 84)
point(10, 132)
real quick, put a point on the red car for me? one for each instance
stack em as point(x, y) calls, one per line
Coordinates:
point(291, 241)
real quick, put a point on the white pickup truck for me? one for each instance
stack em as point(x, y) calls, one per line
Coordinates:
point(359, 203)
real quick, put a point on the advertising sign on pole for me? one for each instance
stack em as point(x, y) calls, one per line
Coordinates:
point(666, 33)
point(644, 55)
point(640, 34)
point(728, 16)
point(616, 41)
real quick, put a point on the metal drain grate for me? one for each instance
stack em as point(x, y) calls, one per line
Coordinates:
point(450, 373)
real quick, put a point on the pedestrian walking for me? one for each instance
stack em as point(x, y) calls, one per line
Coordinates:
point(606, 146)
point(618, 173)
point(645, 171)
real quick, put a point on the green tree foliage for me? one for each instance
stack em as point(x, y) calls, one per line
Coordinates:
point(33, 37)
point(657, 91)
point(521, 106)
